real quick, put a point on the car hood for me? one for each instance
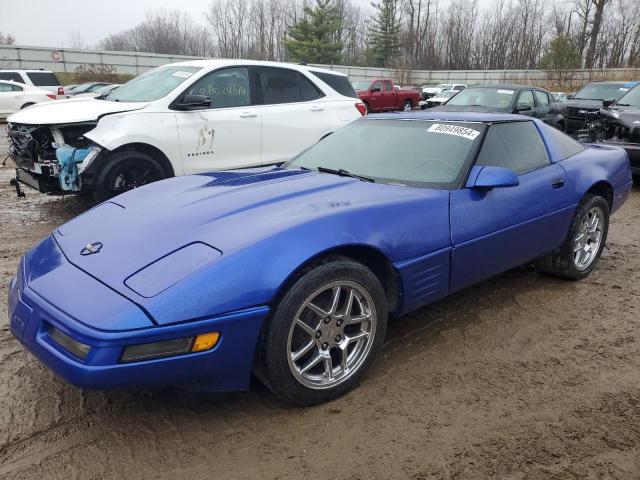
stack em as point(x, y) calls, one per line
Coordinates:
point(73, 110)
point(580, 103)
point(219, 217)
point(627, 116)
point(463, 108)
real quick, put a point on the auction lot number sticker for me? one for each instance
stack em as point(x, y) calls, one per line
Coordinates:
point(464, 132)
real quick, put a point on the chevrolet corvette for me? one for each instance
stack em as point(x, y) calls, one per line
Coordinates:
point(289, 273)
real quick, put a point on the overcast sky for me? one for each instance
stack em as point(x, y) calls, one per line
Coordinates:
point(51, 22)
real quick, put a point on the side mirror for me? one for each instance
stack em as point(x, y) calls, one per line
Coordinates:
point(486, 178)
point(608, 102)
point(523, 107)
point(375, 89)
point(192, 101)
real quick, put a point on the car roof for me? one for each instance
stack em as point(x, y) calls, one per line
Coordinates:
point(451, 116)
point(509, 86)
point(615, 82)
point(28, 70)
point(217, 63)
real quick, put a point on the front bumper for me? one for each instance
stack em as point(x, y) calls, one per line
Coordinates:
point(226, 367)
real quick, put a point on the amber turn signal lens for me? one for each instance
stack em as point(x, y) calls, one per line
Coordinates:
point(205, 341)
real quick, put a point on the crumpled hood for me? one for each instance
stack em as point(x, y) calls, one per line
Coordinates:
point(71, 111)
point(232, 213)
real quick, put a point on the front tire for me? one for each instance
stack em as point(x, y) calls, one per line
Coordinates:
point(125, 171)
point(324, 333)
point(581, 250)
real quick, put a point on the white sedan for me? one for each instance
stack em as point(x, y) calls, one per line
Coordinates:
point(15, 96)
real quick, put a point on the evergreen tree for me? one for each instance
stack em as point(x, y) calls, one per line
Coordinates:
point(384, 35)
point(316, 37)
point(561, 54)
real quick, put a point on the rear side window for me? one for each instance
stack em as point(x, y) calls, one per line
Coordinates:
point(515, 145)
point(387, 86)
point(563, 145)
point(43, 79)
point(15, 76)
point(281, 85)
point(339, 83)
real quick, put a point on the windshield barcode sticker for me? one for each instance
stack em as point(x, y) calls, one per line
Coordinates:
point(463, 132)
point(182, 74)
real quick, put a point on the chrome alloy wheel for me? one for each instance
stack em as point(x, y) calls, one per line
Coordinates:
point(586, 243)
point(331, 335)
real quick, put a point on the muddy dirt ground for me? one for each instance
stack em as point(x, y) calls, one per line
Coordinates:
point(521, 377)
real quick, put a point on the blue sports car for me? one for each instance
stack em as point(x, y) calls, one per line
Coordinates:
point(290, 272)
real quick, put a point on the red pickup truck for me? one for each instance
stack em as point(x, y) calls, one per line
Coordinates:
point(381, 95)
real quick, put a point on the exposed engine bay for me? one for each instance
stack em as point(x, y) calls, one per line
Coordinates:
point(617, 125)
point(51, 158)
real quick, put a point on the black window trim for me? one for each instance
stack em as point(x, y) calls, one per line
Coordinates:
point(535, 99)
point(484, 136)
point(252, 92)
point(260, 93)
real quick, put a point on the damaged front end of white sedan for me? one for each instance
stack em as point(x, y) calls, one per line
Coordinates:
point(54, 159)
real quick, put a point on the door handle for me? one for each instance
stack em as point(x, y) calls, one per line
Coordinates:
point(316, 109)
point(248, 115)
point(557, 183)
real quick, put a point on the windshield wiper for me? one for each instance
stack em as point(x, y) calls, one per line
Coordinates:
point(345, 173)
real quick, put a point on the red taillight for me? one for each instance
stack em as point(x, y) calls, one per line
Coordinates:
point(362, 108)
point(51, 96)
point(60, 90)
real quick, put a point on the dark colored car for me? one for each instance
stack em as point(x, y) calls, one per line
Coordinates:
point(618, 124)
point(590, 100)
point(507, 98)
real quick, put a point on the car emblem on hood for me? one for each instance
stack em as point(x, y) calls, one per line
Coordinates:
point(91, 248)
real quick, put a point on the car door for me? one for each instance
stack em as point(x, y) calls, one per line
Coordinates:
point(389, 97)
point(10, 98)
point(499, 229)
point(543, 109)
point(376, 99)
point(525, 98)
point(226, 134)
point(294, 117)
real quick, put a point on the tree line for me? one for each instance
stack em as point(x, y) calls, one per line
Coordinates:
point(401, 34)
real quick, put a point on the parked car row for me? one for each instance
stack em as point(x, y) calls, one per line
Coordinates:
point(179, 119)
point(15, 96)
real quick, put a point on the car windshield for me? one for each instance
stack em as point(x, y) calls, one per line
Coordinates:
point(408, 152)
point(445, 86)
point(151, 85)
point(484, 97)
point(360, 85)
point(601, 91)
point(631, 98)
point(447, 94)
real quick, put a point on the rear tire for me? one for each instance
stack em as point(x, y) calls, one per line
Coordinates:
point(581, 249)
point(312, 323)
point(407, 106)
point(26, 105)
point(125, 171)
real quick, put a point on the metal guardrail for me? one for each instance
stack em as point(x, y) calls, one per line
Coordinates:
point(66, 60)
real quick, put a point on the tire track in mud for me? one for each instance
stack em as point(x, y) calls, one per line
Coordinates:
point(523, 377)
